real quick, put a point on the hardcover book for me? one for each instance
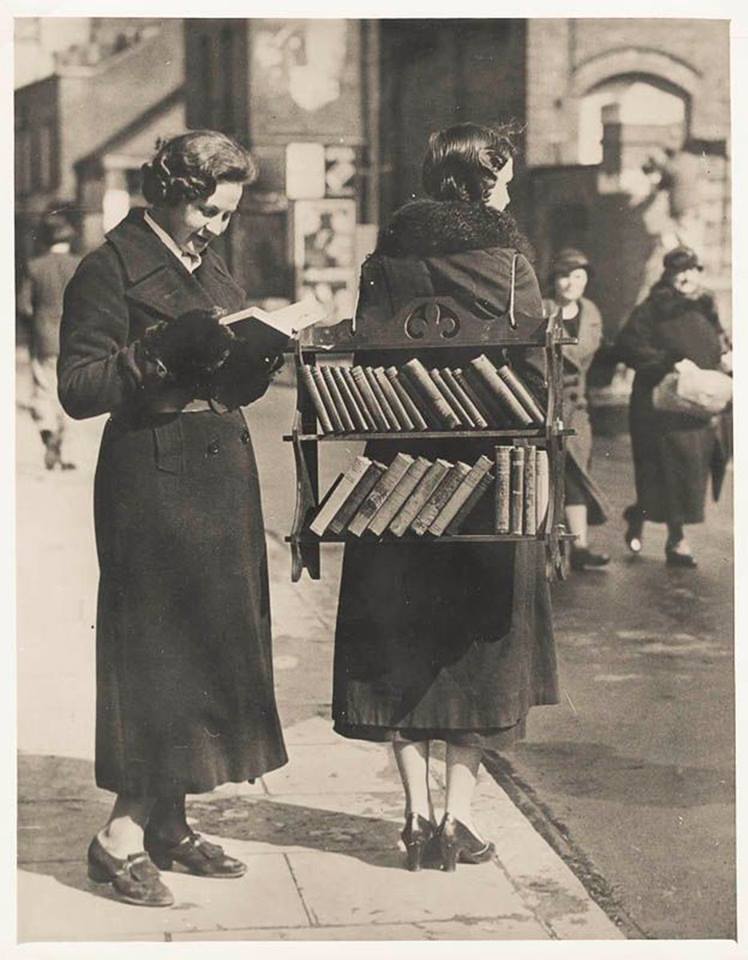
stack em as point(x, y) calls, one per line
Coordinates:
point(493, 382)
point(451, 506)
point(498, 415)
point(420, 379)
point(503, 489)
point(349, 400)
point(323, 417)
point(413, 402)
point(324, 392)
point(337, 496)
point(517, 490)
point(401, 414)
point(463, 378)
point(416, 501)
point(394, 503)
point(446, 391)
point(473, 412)
point(389, 416)
point(361, 491)
point(372, 404)
point(521, 392)
point(542, 487)
point(470, 504)
point(434, 505)
point(530, 523)
point(337, 399)
point(270, 331)
point(379, 493)
point(371, 424)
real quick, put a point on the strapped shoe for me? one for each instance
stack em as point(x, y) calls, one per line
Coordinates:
point(196, 854)
point(134, 879)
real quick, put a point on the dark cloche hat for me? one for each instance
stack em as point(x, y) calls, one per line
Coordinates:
point(569, 259)
point(680, 259)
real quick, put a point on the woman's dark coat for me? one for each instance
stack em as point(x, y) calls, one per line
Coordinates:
point(185, 695)
point(673, 453)
point(446, 640)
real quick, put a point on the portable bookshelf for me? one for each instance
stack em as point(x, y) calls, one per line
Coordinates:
point(428, 323)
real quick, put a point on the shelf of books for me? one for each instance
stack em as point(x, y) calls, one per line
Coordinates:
point(507, 483)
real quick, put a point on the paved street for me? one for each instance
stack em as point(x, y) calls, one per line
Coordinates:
point(634, 768)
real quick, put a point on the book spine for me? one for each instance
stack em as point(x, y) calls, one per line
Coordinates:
point(522, 393)
point(449, 395)
point(337, 497)
point(417, 418)
point(497, 414)
point(434, 505)
point(389, 416)
point(418, 497)
point(337, 423)
point(530, 522)
point(399, 411)
point(469, 505)
point(542, 487)
point(448, 512)
point(503, 471)
point(369, 421)
point(420, 379)
point(311, 388)
point(485, 411)
point(361, 491)
point(349, 400)
point(370, 399)
point(379, 493)
point(432, 420)
point(399, 495)
point(517, 489)
point(348, 424)
point(491, 379)
point(473, 412)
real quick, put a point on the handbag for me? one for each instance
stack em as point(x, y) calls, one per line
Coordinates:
point(699, 393)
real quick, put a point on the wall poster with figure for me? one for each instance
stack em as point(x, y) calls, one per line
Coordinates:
point(324, 254)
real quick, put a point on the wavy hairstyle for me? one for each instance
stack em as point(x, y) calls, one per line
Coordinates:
point(190, 166)
point(463, 161)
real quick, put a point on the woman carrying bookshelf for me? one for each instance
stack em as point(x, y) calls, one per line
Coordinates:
point(569, 274)
point(452, 642)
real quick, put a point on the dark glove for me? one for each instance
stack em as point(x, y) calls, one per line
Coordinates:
point(244, 376)
point(189, 348)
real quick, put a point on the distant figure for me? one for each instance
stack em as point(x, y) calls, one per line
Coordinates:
point(674, 453)
point(569, 273)
point(40, 299)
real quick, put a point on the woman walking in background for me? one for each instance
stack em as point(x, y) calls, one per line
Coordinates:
point(185, 696)
point(673, 452)
point(569, 274)
point(451, 643)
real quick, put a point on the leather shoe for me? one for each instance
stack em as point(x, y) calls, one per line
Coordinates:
point(198, 855)
point(673, 558)
point(134, 879)
point(459, 844)
point(582, 558)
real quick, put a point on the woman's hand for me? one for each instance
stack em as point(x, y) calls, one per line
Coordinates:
point(245, 376)
point(190, 347)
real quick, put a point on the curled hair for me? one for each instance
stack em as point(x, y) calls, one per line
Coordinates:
point(463, 161)
point(190, 167)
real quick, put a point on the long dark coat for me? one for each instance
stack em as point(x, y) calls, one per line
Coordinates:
point(673, 453)
point(451, 641)
point(185, 695)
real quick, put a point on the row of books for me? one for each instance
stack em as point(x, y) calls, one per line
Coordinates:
point(363, 399)
point(421, 496)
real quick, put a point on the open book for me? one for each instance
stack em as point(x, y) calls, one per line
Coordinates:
point(270, 331)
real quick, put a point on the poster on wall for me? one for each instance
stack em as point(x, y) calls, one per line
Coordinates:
point(324, 254)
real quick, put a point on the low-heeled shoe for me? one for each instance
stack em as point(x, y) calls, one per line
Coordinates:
point(675, 559)
point(134, 879)
point(583, 559)
point(196, 854)
point(421, 843)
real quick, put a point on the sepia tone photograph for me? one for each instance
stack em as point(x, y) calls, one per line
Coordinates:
point(373, 480)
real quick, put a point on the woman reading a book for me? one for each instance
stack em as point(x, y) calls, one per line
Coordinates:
point(449, 642)
point(185, 697)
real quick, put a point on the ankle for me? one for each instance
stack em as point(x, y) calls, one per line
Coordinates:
point(121, 840)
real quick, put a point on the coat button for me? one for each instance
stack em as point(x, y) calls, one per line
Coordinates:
point(213, 448)
point(245, 436)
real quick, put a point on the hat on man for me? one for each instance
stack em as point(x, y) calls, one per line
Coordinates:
point(680, 259)
point(569, 259)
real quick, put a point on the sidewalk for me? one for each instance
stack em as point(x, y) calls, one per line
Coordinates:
point(320, 836)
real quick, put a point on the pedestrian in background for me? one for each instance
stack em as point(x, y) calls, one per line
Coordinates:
point(451, 643)
point(674, 453)
point(185, 697)
point(40, 302)
point(569, 274)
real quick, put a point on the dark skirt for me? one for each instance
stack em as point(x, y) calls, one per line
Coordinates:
point(443, 641)
point(185, 696)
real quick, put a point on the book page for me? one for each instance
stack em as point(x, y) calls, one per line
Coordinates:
point(289, 320)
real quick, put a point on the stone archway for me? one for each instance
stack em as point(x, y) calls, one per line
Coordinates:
point(635, 60)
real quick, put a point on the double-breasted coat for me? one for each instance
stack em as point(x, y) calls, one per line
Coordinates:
point(450, 641)
point(673, 453)
point(185, 696)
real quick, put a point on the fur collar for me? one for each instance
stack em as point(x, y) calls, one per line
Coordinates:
point(669, 303)
point(427, 228)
